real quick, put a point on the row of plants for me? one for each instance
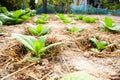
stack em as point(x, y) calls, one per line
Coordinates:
point(16, 17)
point(84, 18)
point(63, 18)
point(35, 45)
point(77, 17)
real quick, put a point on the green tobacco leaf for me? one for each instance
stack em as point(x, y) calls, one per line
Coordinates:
point(18, 13)
point(95, 41)
point(77, 76)
point(39, 29)
point(25, 40)
point(42, 41)
point(25, 17)
point(108, 22)
point(40, 21)
point(31, 29)
point(51, 45)
point(45, 31)
point(101, 45)
point(63, 18)
point(5, 19)
point(75, 29)
point(37, 47)
point(115, 28)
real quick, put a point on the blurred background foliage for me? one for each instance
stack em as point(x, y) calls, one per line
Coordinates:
point(57, 4)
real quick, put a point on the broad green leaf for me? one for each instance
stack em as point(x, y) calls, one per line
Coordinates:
point(42, 41)
point(18, 13)
point(5, 19)
point(77, 76)
point(45, 31)
point(95, 41)
point(24, 40)
point(101, 45)
point(108, 22)
point(39, 29)
point(63, 18)
point(49, 46)
point(31, 30)
point(75, 29)
point(25, 17)
point(40, 21)
point(37, 47)
point(115, 28)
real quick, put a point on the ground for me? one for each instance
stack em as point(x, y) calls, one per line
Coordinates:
point(73, 55)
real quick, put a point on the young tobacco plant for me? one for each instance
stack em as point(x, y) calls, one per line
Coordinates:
point(89, 20)
point(63, 18)
point(79, 17)
point(42, 19)
point(74, 29)
point(71, 15)
point(38, 30)
point(108, 25)
point(100, 45)
point(35, 46)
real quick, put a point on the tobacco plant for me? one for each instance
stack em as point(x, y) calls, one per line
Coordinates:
point(35, 46)
point(38, 30)
point(16, 17)
point(99, 45)
point(89, 20)
point(74, 29)
point(109, 25)
point(79, 17)
point(42, 19)
point(63, 18)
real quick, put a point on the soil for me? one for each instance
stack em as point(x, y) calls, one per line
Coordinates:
point(73, 55)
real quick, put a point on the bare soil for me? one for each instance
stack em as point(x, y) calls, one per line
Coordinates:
point(74, 55)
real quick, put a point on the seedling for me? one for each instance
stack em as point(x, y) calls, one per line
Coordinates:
point(71, 15)
point(108, 25)
point(74, 29)
point(42, 19)
point(99, 45)
point(63, 18)
point(89, 20)
point(79, 17)
point(38, 30)
point(35, 46)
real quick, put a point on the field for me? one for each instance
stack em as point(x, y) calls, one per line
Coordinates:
point(73, 55)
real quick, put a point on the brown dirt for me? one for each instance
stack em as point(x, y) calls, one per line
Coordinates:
point(74, 55)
